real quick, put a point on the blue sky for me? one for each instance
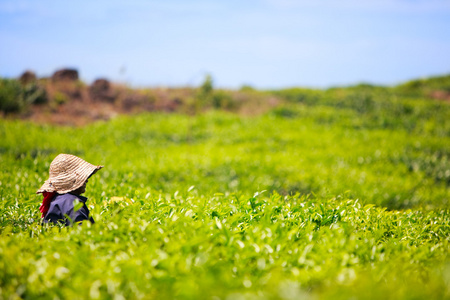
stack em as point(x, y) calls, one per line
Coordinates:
point(266, 44)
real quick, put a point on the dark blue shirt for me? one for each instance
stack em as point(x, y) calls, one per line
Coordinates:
point(62, 206)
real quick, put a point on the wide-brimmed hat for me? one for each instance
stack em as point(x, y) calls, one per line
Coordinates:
point(67, 173)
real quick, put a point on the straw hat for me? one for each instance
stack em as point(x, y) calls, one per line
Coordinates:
point(67, 173)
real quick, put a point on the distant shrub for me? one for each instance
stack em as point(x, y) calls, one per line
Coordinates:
point(223, 100)
point(411, 88)
point(11, 99)
point(208, 97)
point(207, 87)
point(358, 100)
point(60, 98)
point(300, 95)
point(285, 111)
point(34, 94)
point(15, 97)
point(423, 87)
point(247, 88)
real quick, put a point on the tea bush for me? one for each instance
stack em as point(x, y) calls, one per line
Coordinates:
point(188, 246)
point(320, 201)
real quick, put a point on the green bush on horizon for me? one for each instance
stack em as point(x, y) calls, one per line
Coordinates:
point(10, 96)
point(424, 87)
point(16, 98)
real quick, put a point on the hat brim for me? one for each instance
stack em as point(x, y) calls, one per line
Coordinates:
point(71, 182)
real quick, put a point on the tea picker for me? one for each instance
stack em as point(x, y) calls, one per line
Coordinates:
point(68, 176)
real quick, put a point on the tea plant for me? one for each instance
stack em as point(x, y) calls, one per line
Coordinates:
point(318, 201)
point(319, 151)
point(192, 247)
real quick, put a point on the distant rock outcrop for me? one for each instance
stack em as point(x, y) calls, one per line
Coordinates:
point(27, 77)
point(65, 75)
point(101, 90)
point(100, 85)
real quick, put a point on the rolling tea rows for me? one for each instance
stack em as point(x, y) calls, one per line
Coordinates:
point(323, 201)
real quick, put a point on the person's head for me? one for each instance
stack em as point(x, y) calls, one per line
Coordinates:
point(82, 189)
point(68, 173)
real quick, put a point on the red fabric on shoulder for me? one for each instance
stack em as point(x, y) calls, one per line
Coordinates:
point(48, 196)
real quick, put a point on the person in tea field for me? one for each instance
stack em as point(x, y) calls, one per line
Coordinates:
point(68, 176)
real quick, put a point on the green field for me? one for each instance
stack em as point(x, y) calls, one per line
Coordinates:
point(337, 194)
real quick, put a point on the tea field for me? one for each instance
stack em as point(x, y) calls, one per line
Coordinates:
point(311, 200)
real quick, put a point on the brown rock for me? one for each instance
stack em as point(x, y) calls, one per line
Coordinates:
point(101, 90)
point(27, 77)
point(65, 75)
point(440, 95)
point(100, 85)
